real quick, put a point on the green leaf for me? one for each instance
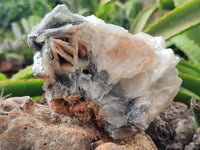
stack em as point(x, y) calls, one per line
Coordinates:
point(2, 77)
point(30, 87)
point(167, 4)
point(196, 117)
point(103, 2)
point(141, 19)
point(137, 7)
point(129, 5)
point(194, 34)
point(188, 46)
point(188, 68)
point(103, 9)
point(35, 98)
point(26, 73)
point(189, 92)
point(178, 3)
point(177, 21)
point(160, 8)
point(184, 97)
point(94, 5)
point(190, 83)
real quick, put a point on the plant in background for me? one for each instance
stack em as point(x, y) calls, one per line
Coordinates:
point(13, 11)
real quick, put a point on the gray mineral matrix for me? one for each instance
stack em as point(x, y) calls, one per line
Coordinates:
point(132, 78)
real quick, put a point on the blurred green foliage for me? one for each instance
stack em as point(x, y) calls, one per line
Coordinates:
point(14, 10)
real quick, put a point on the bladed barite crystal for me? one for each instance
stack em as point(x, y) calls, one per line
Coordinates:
point(131, 78)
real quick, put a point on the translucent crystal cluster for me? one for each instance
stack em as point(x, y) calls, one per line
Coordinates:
point(131, 78)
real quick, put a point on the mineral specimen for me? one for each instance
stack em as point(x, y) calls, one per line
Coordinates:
point(131, 78)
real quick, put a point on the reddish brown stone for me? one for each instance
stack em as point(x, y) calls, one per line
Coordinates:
point(85, 111)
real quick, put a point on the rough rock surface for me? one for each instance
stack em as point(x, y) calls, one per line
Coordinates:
point(173, 128)
point(25, 124)
point(131, 78)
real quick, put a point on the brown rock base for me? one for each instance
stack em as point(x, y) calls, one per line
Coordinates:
point(25, 124)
